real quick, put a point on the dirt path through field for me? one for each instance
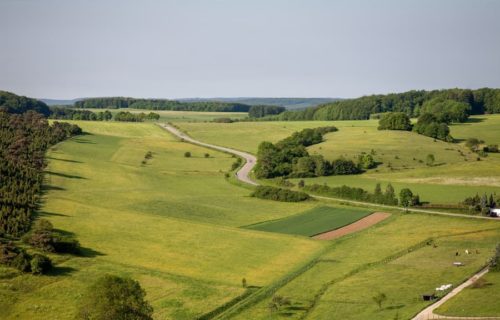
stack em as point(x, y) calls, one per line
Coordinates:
point(361, 224)
point(242, 174)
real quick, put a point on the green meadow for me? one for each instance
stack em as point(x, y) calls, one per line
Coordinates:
point(475, 301)
point(313, 222)
point(455, 174)
point(177, 225)
point(403, 257)
point(171, 224)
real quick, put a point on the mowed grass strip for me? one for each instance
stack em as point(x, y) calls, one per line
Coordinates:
point(314, 221)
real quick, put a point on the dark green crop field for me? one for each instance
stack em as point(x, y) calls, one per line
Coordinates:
point(314, 221)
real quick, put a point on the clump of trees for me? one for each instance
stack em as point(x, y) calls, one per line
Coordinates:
point(223, 120)
point(43, 236)
point(482, 204)
point(260, 111)
point(290, 158)
point(394, 121)
point(430, 125)
point(495, 260)
point(447, 110)
point(67, 113)
point(279, 194)
point(113, 297)
point(17, 258)
point(135, 117)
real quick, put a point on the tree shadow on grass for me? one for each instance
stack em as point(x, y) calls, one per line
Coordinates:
point(48, 214)
point(64, 175)
point(65, 160)
point(47, 187)
point(60, 271)
point(89, 253)
point(81, 140)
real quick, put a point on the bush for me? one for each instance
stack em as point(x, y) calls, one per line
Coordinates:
point(40, 264)
point(21, 262)
point(279, 194)
point(113, 297)
point(222, 120)
point(187, 154)
point(207, 155)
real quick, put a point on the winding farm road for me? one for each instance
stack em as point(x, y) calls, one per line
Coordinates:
point(242, 174)
point(251, 160)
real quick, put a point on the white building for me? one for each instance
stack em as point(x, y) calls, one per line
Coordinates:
point(495, 212)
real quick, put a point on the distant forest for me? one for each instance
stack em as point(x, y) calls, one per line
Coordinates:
point(161, 104)
point(412, 103)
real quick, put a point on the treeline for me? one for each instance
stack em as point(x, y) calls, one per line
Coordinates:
point(66, 113)
point(13, 103)
point(482, 204)
point(24, 139)
point(412, 103)
point(161, 104)
point(260, 111)
point(289, 158)
point(387, 197)
point(279, 194)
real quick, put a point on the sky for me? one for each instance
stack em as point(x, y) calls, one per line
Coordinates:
point(254, 48)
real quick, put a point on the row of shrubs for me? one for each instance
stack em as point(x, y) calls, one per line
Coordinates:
point(279, 194)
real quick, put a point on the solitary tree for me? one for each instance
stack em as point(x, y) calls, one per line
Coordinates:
point(405, 197)
point(207, 155)
point(379, 299)
point(187, 154)
point(244, 283)
point(113, 297)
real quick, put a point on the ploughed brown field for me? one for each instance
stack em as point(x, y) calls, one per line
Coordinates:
point(361, 224)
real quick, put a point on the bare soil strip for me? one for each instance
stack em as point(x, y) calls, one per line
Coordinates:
point(361, 224)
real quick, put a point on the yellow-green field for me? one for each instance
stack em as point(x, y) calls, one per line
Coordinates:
point(456, 173)
point(174, 224)
point(155, 223)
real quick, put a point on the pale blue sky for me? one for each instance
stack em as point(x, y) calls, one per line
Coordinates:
point(189, 48)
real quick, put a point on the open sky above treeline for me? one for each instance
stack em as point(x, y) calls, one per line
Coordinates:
point(278, 48)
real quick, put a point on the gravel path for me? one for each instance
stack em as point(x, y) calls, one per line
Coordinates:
point(244, 171)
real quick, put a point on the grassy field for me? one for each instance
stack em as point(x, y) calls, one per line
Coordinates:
point(455, 175)
point(393, 257)
point(314, 221)
point(475, 302)
point(183, 116)
point(169, 224)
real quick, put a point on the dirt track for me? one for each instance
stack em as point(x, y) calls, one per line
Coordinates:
point(242, 174)
point(361, 224)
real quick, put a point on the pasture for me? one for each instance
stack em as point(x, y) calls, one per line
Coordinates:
point(403, 257)
point(170, 223)
point(455, 174)
point(313, 222)
point(475, 301)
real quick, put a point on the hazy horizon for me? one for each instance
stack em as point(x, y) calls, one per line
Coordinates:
point(213, 49)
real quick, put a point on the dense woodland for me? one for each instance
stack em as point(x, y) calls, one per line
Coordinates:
point(412, 103)
point(12, 103)
point(161, 104)
point(25, 136)
point(24, 140)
